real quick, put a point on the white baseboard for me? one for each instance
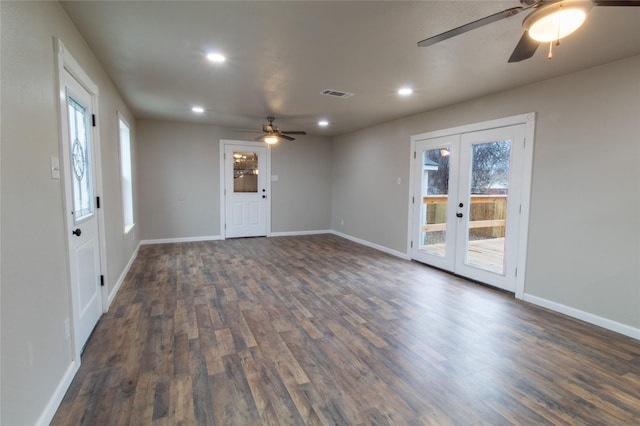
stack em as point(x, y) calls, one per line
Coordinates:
point(55, 400)
point(296, 233)
point(384, 249)
point(627, 330)
point(123, 275)
point(181, 240)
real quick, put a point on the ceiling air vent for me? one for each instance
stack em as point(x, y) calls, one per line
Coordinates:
point(336, 93)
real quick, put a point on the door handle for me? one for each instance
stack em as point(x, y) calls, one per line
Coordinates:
point(264, 196)
point(458, 214)
point(77, 232)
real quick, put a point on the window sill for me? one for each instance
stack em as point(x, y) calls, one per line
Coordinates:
point(127, 230)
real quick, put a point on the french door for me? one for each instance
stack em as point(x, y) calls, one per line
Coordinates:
point(467, 203)
point(246, 190)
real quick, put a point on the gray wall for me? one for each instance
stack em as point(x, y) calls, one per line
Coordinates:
point(584, 246)
point(179, 181)
point(584, 233)
point(35, 281)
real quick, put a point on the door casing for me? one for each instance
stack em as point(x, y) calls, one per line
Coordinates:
point(67, 64)
point(526, 175)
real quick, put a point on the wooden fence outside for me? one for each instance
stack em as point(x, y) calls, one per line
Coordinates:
point(488, 214)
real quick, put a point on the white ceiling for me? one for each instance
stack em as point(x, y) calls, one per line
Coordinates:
point(280, 55)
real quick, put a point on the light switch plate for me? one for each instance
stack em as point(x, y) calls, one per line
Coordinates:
point(55, 168)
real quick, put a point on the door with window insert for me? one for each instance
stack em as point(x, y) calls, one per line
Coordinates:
point(245, 190)
point(82, 216)
point(466, 201)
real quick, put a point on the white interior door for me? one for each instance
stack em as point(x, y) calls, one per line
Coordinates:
point(246, 191)
point(82, 218)
point(467, 203)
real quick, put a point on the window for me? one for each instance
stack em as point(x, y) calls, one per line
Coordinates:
point(126, 175)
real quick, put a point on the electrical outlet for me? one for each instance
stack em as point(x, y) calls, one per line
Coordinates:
point(342, 222)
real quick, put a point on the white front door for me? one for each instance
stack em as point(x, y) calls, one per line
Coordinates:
point(82, 217)
point(246, 190)
point(467, 203)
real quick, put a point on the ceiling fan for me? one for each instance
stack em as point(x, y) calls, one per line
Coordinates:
point(549, 21)
point(272, 133)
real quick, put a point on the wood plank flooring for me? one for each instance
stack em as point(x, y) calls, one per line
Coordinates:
point(319, 330)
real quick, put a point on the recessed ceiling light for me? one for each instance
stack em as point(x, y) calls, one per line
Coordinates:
point(216, 57)
point(197, 109)
point(405, 91)
point(323, 123)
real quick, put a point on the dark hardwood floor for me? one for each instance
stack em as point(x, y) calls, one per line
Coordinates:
point(320, 330)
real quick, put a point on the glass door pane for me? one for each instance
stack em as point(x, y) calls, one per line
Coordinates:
point(80, 150)
point(435, 170)
point(487, 205)
point(433, 199)
point(245, 172)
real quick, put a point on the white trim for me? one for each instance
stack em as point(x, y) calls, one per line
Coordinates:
point(54, 402)
point(378, 247)
point(297, 233)
point(624, 329)
point(223, 211)
point(69, 63)
point(525, 202)
point(412, 176)
point(474, 127)
point(66, 63)
point(123, 275)
point(127, 230)
point(181, 240)
point(102, 239)
point(127, 227)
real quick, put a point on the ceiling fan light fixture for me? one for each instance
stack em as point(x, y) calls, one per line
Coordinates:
point(271, 139)
point(557, 20)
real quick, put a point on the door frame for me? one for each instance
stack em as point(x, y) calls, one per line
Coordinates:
point(248, 145)
point(66, 63)
point(528, 120)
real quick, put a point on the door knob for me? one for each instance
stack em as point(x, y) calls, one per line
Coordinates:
point(264, 196)
point(458, 214)
point(77, 232)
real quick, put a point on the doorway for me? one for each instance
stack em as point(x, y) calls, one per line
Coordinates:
point(469, 201)
point(246, 203)
point(80, 153)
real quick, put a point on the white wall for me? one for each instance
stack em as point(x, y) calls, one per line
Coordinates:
point(180, 181)
point(35, 281)
point(584, 235)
